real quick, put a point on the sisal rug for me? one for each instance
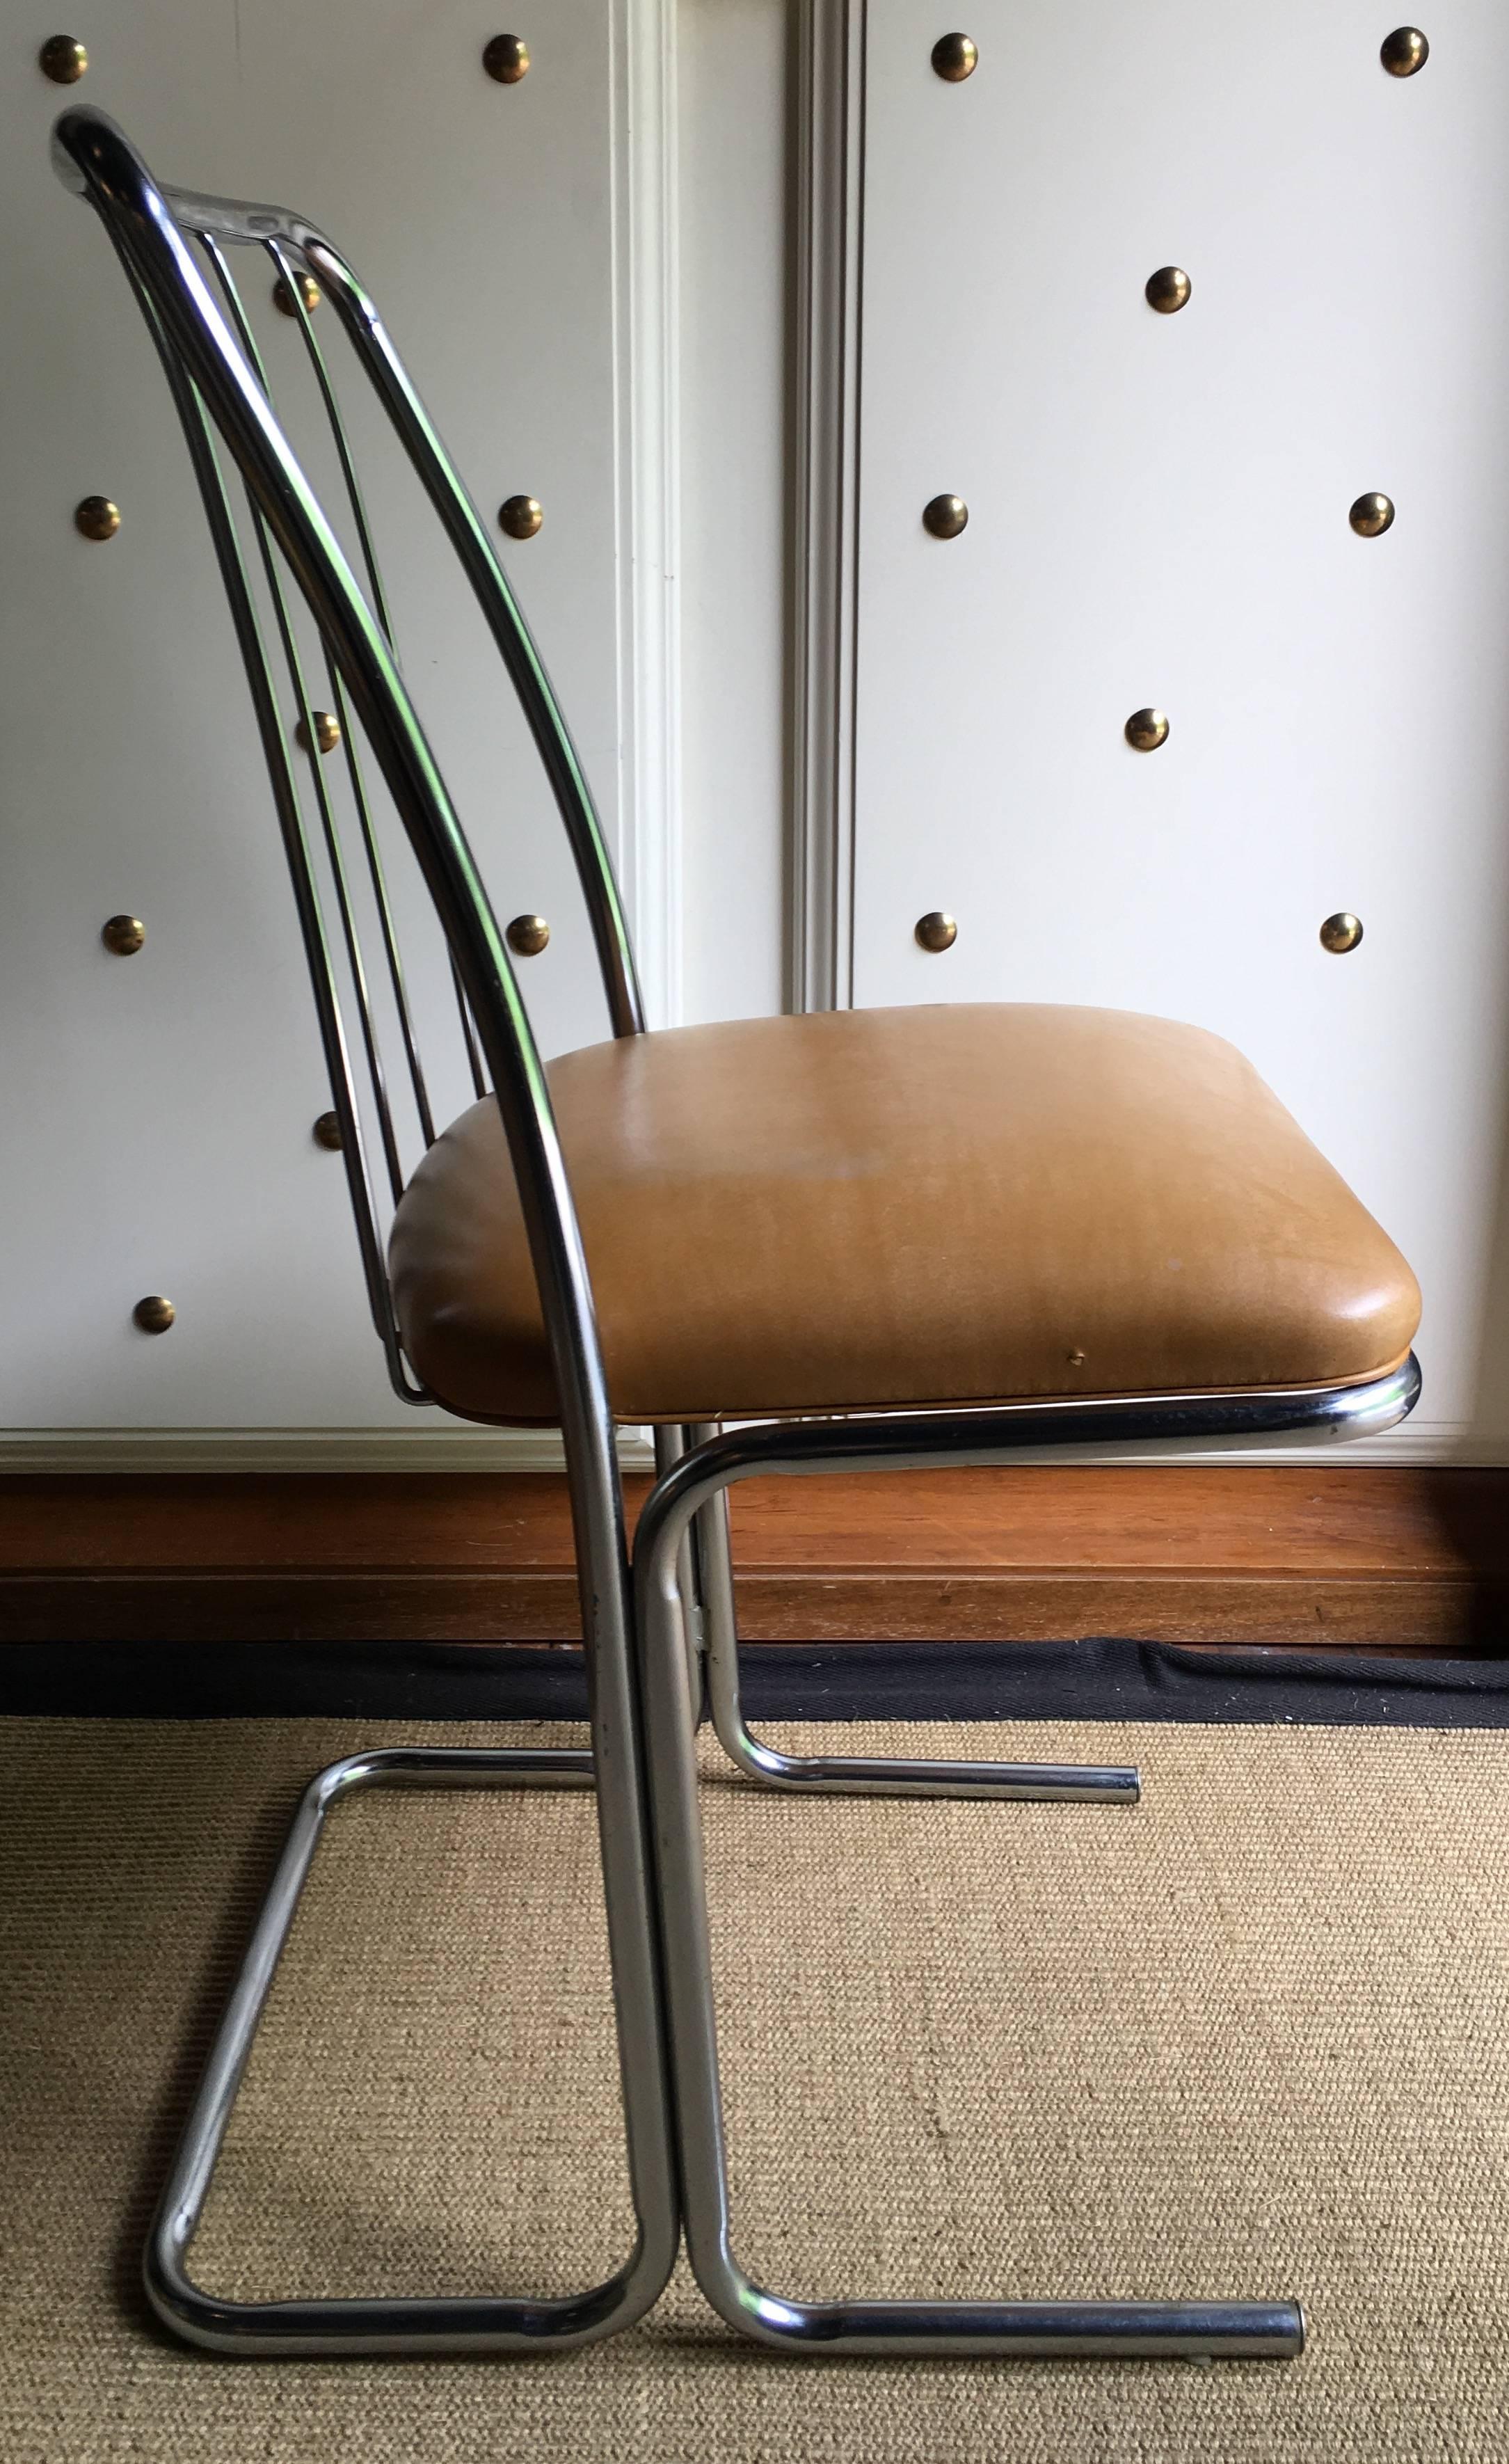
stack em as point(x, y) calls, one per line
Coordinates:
point(1251, 2038)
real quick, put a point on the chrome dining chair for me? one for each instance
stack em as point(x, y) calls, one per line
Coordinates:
point(1111, 1237)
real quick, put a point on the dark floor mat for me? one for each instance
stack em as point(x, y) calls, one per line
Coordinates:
point(891, 1681)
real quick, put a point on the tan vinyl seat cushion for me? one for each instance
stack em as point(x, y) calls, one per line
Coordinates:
point(907, 1206)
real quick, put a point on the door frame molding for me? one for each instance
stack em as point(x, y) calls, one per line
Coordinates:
point(647, 340)
point(828, 284)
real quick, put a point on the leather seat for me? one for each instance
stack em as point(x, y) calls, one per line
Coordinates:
point(914, 1206)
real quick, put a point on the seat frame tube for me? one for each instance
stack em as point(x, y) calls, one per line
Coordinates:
point(855, 1775)
point(696, 1487)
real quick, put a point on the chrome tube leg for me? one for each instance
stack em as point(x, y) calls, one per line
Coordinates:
point(859, 1774)
point(670, 1445)
point(389, 2324)
point(1191, 2329)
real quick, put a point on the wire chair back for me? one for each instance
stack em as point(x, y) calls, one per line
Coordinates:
point(174, 247)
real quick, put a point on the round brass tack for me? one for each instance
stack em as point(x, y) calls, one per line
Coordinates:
point(1341, 932)
point(154, 1314)
point(99, 517)
point(1371, 516)
point(527, 935)
point(954, 57)
point(1167, 290)
point(326, 1132)
point(1146, 730)
point(327, 730)
point(62, 59)
point(1403, 51)
point(1075, 1359)
point(937, 932)
point(123, 934)
point(506, 59)
point(521, 517)
point(308, 292)
point(945, 516)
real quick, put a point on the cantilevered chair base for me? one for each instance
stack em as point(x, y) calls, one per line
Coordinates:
point(684, 1584)
point(694, 1492)
point(420, 2324)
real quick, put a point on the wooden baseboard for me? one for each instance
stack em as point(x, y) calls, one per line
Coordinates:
point(1401, 1559)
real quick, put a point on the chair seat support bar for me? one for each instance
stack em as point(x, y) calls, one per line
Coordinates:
point(863, 1775)
point(700, 1479)
point(1262, 1420)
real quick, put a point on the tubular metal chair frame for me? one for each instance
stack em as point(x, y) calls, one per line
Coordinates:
point(649, 1631)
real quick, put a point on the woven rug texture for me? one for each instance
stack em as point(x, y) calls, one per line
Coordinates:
point(1250, 2039)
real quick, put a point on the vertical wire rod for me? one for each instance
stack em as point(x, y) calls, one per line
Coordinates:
point(376, 871)
point(505, 618)
point(291, 824)
point(371, 1043)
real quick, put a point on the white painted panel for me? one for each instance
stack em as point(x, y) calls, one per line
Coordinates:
point(1159, 515)
point(156, 1112)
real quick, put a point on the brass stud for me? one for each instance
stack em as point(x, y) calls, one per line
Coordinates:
point(154, 1314)
point(954, 57)
point(123, 934)
point(1146, 730)
point(507, 58)
point(62, 59)
point(1403, 51)
point(326, 1132)
point(1341, 932)
point(1167, 290)
point(99, 517)
point(527, 935)
point(937, 932)
point(327, 730)
point(521, 517)
point(308, 292)
point(1371, 516)
point(945, 516)
point(1075, 1359)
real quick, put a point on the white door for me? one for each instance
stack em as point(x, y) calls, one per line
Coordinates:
point(156, 1110)
point(1159, 516)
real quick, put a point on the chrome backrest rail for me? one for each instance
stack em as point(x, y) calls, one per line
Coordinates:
point(329, 829)
point(203, 360)
point(303, 243)
point(295, 847)
point(288, 274)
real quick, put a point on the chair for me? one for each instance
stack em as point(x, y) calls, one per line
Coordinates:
point(1112, 1237)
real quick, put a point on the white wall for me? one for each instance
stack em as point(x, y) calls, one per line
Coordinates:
point(156, 1110)
point(1158, 515)
point(176, 1157)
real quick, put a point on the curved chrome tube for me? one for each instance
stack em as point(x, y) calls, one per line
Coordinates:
point(1334, 1411)
point(223, 218)
point(694, 1484)
point(350, 2326)
point(76, 158)
point(99, 163)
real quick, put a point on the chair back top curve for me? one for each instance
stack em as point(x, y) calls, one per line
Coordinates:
point(172, 245)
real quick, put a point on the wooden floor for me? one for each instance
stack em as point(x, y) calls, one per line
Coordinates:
point(1401, 1559)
